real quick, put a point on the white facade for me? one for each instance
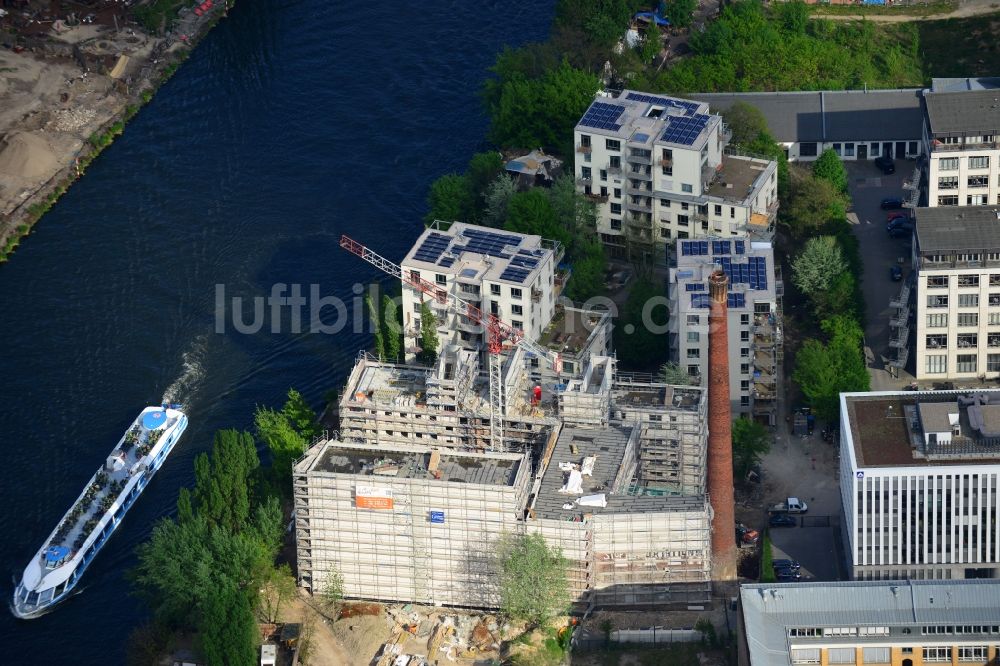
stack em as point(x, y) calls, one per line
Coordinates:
point(918, 510)
point(754, 318)
point(957, 273)
point(658, 171)
point(507, 274)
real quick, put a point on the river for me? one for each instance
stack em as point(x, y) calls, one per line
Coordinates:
point(292, 123)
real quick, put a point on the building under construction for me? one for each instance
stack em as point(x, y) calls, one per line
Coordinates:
point(407, 503)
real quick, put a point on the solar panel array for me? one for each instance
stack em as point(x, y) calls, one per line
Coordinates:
point(513, 274)
point(721, 247)
point(736, 300)
point(689, 107)
point(740, 247)
point(603, 116)
point(694, 286)
point(694, 248)
point(523, 259)
point(700, 301)
point(446, 262)
point(432, 248)
point(753, 273)
point(684, 130)
point(488, 243)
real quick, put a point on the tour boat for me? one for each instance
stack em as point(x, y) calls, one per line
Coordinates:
point(57, 567)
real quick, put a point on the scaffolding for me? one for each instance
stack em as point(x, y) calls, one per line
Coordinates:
point(587, 401)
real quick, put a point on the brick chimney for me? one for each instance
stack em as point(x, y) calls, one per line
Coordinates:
point(720, 433)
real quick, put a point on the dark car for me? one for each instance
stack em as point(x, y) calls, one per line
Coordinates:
point(782, 520)
point(786, 564)
point(886, 165)
point(896, 273)
point(902, 231)
point(787, 575)
point(892, 203)
point(892, 217)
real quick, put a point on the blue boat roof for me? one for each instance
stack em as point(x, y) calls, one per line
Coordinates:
point(56, 553)
point(153, 420)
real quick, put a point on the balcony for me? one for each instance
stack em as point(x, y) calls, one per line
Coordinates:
point(637, 157)
point(939, 147)
point(641, 174)
point(639, 191)
point(900, 338)
point(583, 149)
point(641, 207)
point(584, 182)
point(615, 171)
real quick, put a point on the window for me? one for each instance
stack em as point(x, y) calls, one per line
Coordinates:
point(693, 352)
point(937, 320)
point(979, 162)
point(744, 401)
point(975, 200)
point(616, 209)
point(972, 653)
point(694, 320)
point(618, 193)
point(948, 183)
point(665, 203)
point(936, 364)
point(995, 279)
point(517, 324)
point(744, 368)
point(993, 363)
point(968, 341)
point(744, 336)
point(687, 188)
point(744, 320)
point(936, 342)
point(612, 144)
point(516, 310)
point(495, 289)
point(585, 140)
point(805, 656)
point(682, 220)
point(604, 174)
point(808, 149)
point(948, 164)
point(841, 655)
point(967, 319)
point(664, 233)
point(979, 181)
point(873, 631)
point(614, 162)
point(966, 363)
point(694, 370)
point(744, 385)
point(837, 149)
point(875, 655)
point(968, 300)
point(937, 300)
point(937, 654)
point(948, 201)
point(718, 210)
point(968, 280)
point(911, 148)
point(937, 281)
point(694, 336)
point(616, 224)
point(744, 352)
point(968, 257)
point(515, 293)
point(440, 279)
point(585, 173)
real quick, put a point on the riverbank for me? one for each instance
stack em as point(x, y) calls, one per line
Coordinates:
point(67, 91)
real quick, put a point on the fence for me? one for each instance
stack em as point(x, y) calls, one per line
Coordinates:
point(648, 636)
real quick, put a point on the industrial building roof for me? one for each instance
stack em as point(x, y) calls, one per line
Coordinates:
point(770, 610)
point(609, 446)
point(413, 462)
point(958, 84)
point(964, 112)
point(841, 115)
point(957, 228)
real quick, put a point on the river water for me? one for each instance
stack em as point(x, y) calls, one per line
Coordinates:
point(292, 123)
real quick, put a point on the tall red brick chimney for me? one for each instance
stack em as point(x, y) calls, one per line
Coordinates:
point(720, 433)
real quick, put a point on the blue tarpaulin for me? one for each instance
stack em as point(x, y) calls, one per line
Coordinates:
point(651, 16)
point(873, 2)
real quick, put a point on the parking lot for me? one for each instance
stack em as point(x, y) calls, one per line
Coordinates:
point(868, 186)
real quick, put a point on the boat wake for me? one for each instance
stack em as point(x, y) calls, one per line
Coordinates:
point(192, 373)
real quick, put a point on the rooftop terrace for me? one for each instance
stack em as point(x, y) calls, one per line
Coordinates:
point(736, 178)
point(418, 463)
point(571, 329)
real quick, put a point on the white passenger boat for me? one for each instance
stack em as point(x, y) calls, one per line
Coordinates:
point(58, 565)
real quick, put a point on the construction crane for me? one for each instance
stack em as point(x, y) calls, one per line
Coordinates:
point(498, 331)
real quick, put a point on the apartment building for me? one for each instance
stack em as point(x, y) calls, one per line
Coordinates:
point(507, 274)
point(887, 623)
point(658, 169)
point(754, 318)
point(956, 260)
point(920, 484)
point(961, 138)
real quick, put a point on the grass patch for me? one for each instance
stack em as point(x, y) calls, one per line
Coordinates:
point(677, 654)
point(960, 47)
point(766, 561)
point(921, 9)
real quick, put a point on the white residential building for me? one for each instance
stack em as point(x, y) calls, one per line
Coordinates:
point(920, 484)
point(962, 142)
point(507, 274)
point(956, 260)
point(754, 322)
point(658, 169)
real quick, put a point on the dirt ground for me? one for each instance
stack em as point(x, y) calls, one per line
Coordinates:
point(327, 649)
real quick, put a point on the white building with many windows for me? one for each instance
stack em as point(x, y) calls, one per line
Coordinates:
point(507, 274)
point(754, 322)
point(659, 170)
point(920, 484)
point(962, 142)
point(956, 260)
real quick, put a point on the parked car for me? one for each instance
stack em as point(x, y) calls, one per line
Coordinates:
point(782, 520)
point(892, 203)
point(787, 575)
point(790, 505)
point(892, 217)
point(896, 273)
point(786, 564)
point(886, 165)
point(746, 536)
point(901, 231)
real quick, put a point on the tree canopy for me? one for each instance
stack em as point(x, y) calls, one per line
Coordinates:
point(428, 335)
point(637, 346)
point(680, 13)
point(824, 370)
point(533, 581)
point(828, 167)
point(818, 265)
point(750, 442)
point(451, 198)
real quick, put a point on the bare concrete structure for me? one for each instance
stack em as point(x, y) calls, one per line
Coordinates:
point(720, 434)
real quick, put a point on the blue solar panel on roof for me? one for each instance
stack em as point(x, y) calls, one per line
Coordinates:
point(740, 247)
point(689, 107)
point(515, 274)
point(736, 300)
point(446, 262)
point(684, 130)
point(603, 116)
point(694, 286)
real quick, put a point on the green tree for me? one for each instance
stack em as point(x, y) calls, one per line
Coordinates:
point(818, 265)
point(750, 443)
point(484, 169)
point(651, 44)
point(675, 374)
point(531, 212)
point(300, 415)
point(224, 483)
point(373, 319)
point(823, 371)
point(638, 347)
point(532, 578)
point(393, 330)
point(746, 123)
point(428, 335)
point(332, 591)
point(680, 13)
point(589, 264)
point(284, 442)
point(451, 198)
point(812, 203)
point(278, 589)
point(828, 167)
point(497, 197)
point(227, 631)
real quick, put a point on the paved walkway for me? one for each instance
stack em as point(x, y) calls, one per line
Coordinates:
point(965, 9)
